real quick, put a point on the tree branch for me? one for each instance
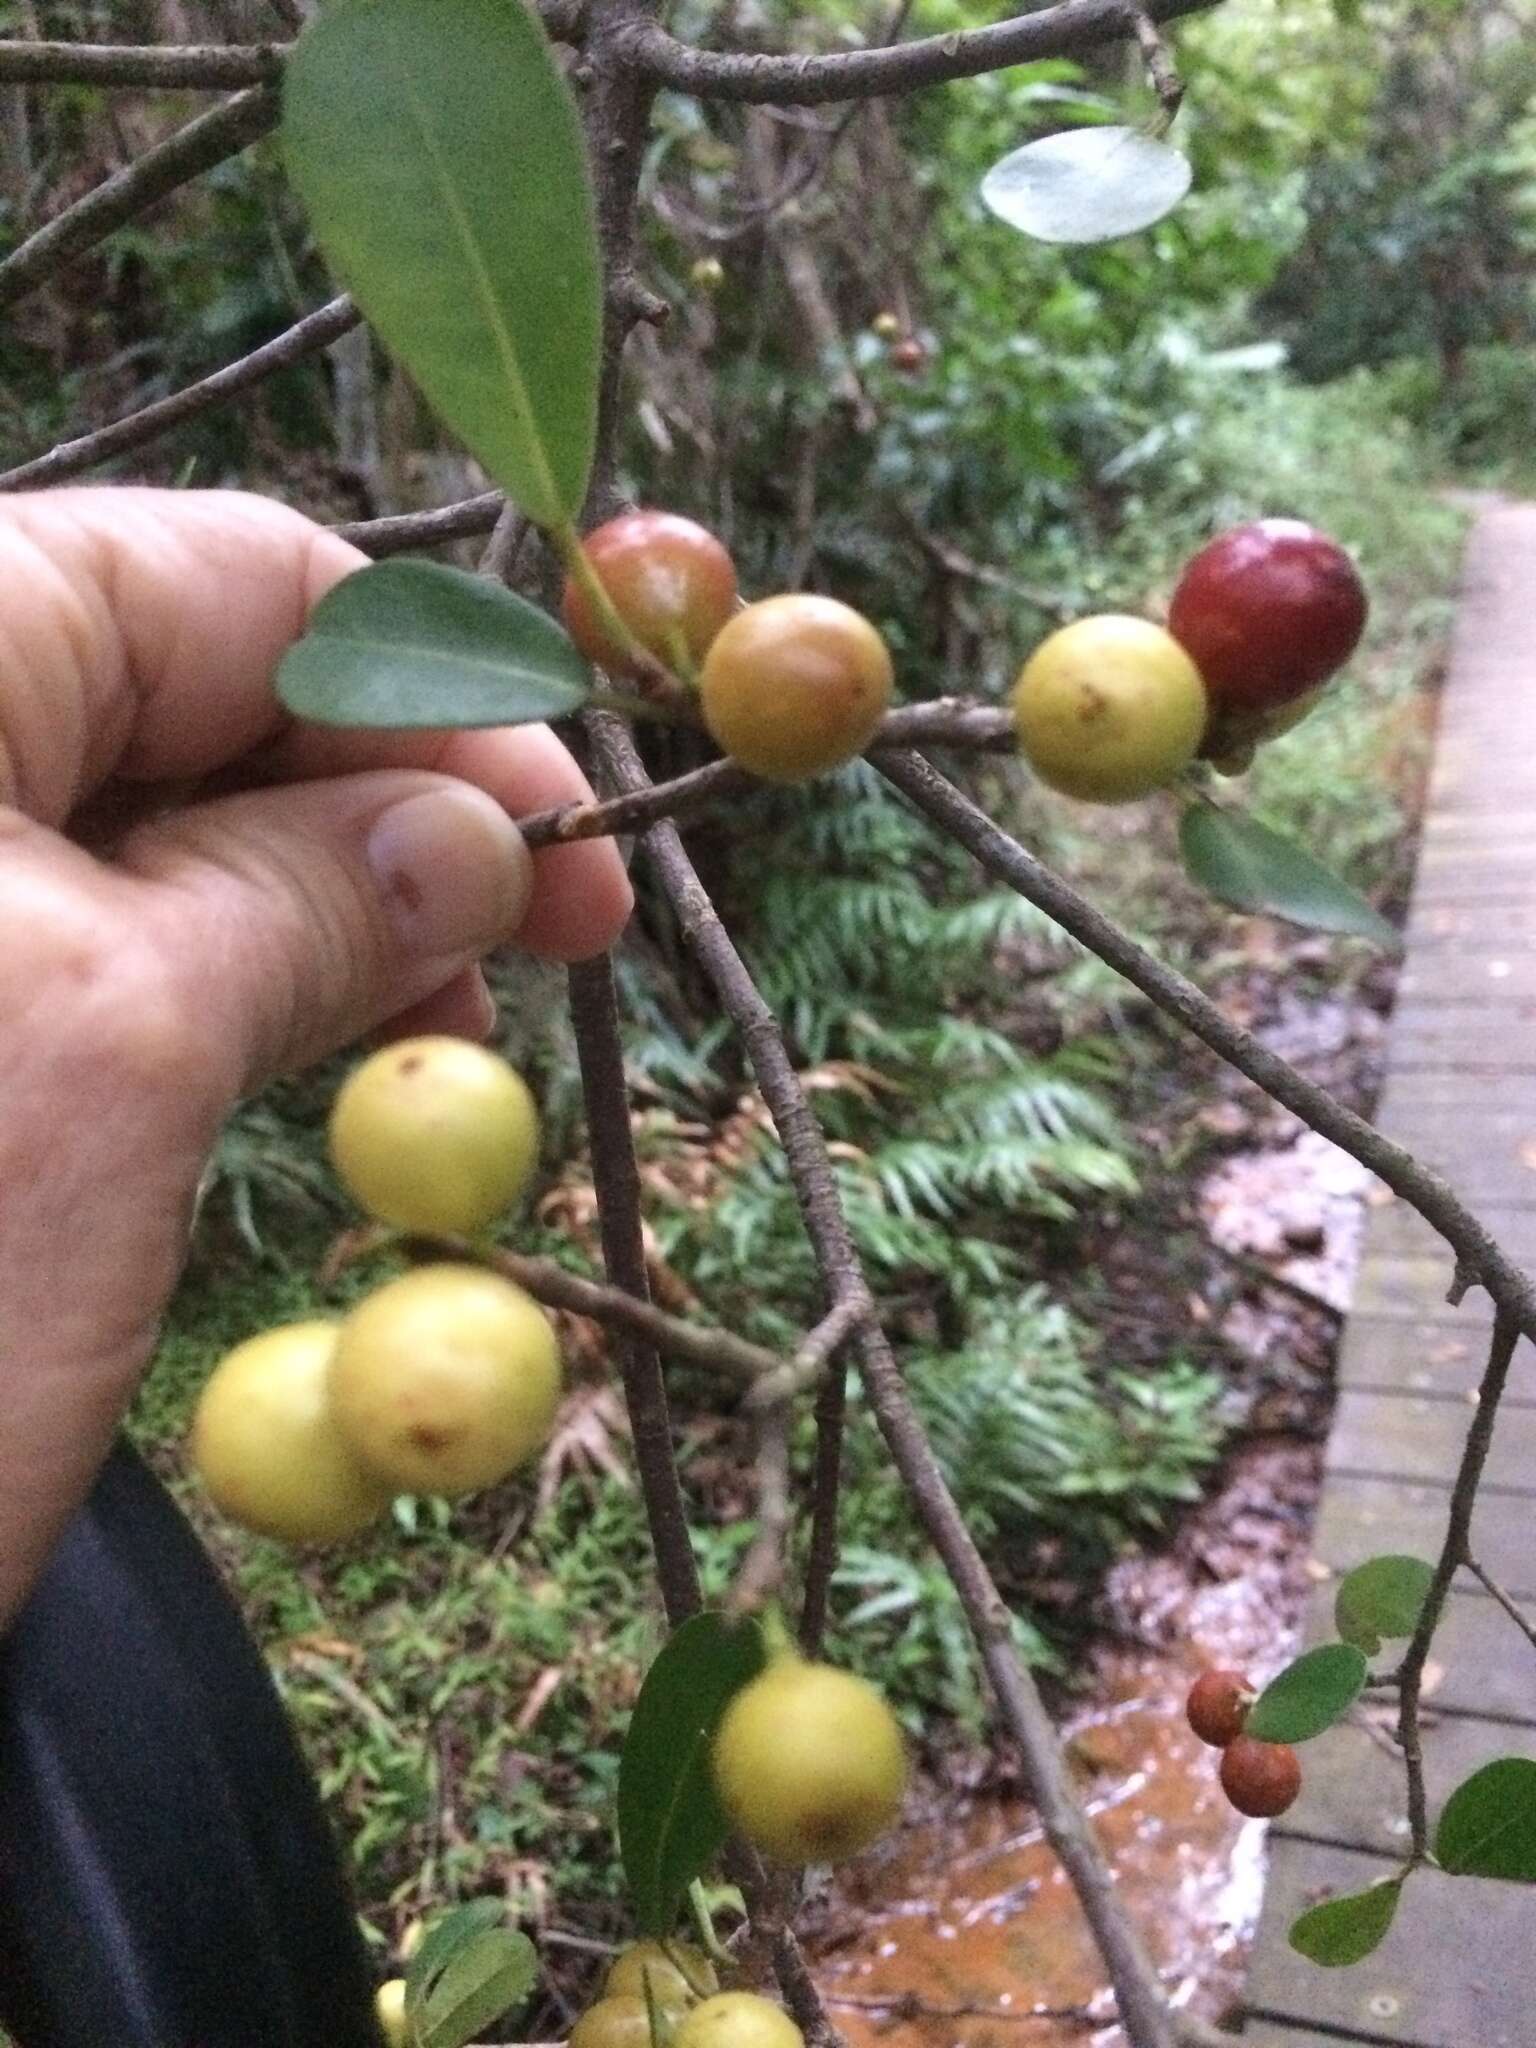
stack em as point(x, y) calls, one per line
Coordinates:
point(221, 133)
point(616, 1178)
point(393, 536)
point(188, 67)
point(1476, 1252)
point(1454, 1552)
point(1065, 30)
point(1143, 2009)
point(947, 722)
point(69, 458)
point(1491, 1586)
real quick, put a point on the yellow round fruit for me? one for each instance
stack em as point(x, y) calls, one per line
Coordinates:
point(265, 1445)
point(795, 686)
point(738, 2019)
point(435, 1135)
point(1109, 709)
point(678, 1972)
point(389, 2007)
point(809, 1762)
point(613, 2023)
point(445, 1380)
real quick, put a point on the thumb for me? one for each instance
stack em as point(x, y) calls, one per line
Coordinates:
point(300, 917)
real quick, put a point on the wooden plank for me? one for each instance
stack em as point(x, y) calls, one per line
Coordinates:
point(1485, 1666)
point(1425, 1355)
point(1489, 1039)
point(1394, 1228)
point(1451, 1974)
point(1405, 1436)
point(1361, 1518)
point(1417, 1287)
point(1354, 1788)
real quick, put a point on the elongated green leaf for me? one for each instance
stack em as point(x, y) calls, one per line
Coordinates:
point(1347, 1930)
point(418, 644)
point(1309, 1695)
point(1382, 1597)
point(1488, 1828)
point(1243, 863)
point(492, 1972)
point(438, 152)
point(670, 1822)
point(1087, 185)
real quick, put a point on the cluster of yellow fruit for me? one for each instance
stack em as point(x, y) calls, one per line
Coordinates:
point(440, 1382)
point(678, 1982)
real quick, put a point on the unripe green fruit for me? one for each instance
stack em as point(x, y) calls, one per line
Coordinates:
point(445, 1380)
point(678, 1973)
point(613, 2023)
point(389, 2008)
point(435, 1135)
point(738, 2019)
point(265, 1445)
point(707, 274)
point(1109, 709)
point(809, 1762)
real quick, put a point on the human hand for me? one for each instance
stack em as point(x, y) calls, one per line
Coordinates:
point(166, 950)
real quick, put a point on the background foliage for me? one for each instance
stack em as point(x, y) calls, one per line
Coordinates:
point(1338, 321)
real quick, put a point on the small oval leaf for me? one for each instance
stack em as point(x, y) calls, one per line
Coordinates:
point(1344, 1931)
point(489, 1974)
point(419, 644)
point(1382, 1597)
point(1488, 1828)
point(443, 1941)
point(670, 1822)
point(1243, 863)
point(1308, 1696)
point(1087, 184)
point(438, 153)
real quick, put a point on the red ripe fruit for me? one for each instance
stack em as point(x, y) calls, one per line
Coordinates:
point(1218, 1706)
point(1267, 612)
point(909, 355)
point(670, 581)
point(1261, 1779)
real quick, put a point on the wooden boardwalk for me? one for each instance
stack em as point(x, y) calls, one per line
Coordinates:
point(1456, 1972)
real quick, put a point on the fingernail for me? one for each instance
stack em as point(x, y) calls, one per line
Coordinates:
point(452, 870)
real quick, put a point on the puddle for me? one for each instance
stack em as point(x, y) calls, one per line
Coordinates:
point(969, 1927)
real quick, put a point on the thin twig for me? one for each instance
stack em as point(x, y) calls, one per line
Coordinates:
point(946, 722)
point(761, 1573)
point(1454, 1552)
point(1065, 30)
point(403, 530)
point(314, 332)
point(210, 139)
point(616, 1178)
point(811, 1359)
point(1002, 856)
point(906, 2005)
point(145, 67)
point(1491, 1585)
point(1166, 82)
point(1143, 2008)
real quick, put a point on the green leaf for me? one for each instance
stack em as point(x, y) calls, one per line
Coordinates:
point(670, 1822)
point(443, 1941)
point(1382, 1597)
point(1309, 1695)
point(419, 644)
point(1347, 1930)
point(1488, 1828)
point(1087, 185)
point(1243, 863)
point(488, 1974)
point(439, 154)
